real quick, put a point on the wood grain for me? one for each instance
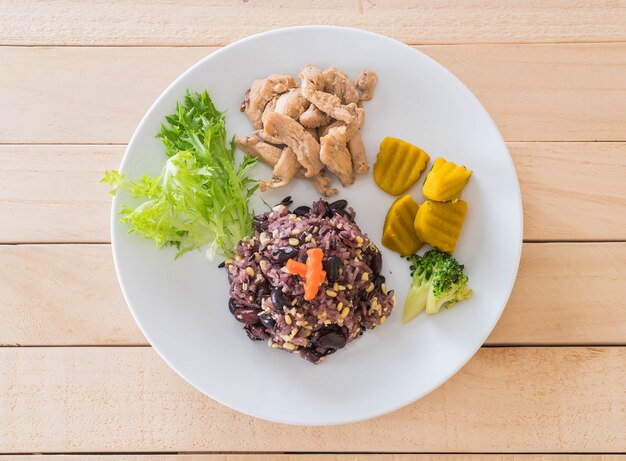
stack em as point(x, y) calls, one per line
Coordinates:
point(68, 295)
point(62, 294)
point(573, 92)
point(316, 457)
point(570, 191)
point(127, 22)
point(83, 95)
point(52, 193)
point(127, 399)
point(546, 92)
point(561, 291)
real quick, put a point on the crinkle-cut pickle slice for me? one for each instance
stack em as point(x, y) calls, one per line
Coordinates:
point(445, 181)
point(439, 223)
point(398, 165)
point(398, 230)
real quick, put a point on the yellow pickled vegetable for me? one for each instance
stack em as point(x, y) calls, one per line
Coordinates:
point(398, 165)
point(445, 181)
point(439, 223)
point(398, 231)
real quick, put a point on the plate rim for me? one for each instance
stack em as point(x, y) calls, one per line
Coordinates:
point(346, 419)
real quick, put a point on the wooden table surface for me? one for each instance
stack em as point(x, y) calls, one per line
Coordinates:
point(77, 378)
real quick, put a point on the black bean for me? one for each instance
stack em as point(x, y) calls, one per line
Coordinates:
point(257, 332)
point(332, 340)
point(324, 352)
point(253, 331)
point(286, 201)
point(247, 315)
point(260, 222)
point(304, 257)
point(267, 321)
point(338, 205)
point(260, 226)
point(232, 306)
point(302, 210)
point(310, 355)
point(261, 293)
point(376, 263)
point(278, 299)
point(283, 254)
point(345, 213)
point(332, 268)
point(378, 281)
point(221, 265)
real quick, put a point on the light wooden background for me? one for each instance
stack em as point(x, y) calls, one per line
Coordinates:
point(77, 377)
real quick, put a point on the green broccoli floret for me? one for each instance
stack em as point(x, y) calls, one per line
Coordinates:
point(438, 280)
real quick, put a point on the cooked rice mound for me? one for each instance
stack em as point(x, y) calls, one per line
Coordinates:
point(269, 301)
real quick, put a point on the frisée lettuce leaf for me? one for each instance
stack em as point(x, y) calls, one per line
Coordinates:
point(201, 198)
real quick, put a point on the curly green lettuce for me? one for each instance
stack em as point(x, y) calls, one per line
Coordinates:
point(201, 198)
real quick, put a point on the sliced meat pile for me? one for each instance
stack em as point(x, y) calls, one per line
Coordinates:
point(311, 129)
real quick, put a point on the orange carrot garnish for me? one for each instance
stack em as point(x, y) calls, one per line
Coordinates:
point(312, 272)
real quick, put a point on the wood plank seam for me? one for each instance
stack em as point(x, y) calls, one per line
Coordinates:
point(409, 43)
point(214, 455)
point(504, 400)
point(547, 305)
point(534, 92)
point(51, 203)
point(424, 21)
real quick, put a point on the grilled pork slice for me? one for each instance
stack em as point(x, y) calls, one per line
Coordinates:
point(313, 117)
point(254, 148)
point(358, 154)
point(292, 104)
point(366, 82)
point(352, 129)
point(338, 83)
point(284, 170)
point(261, 93)
point(335, 155)
point(312, 80)
point(289, 132)
point(331, 105)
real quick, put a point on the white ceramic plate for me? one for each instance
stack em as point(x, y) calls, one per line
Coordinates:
point(181, 306)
